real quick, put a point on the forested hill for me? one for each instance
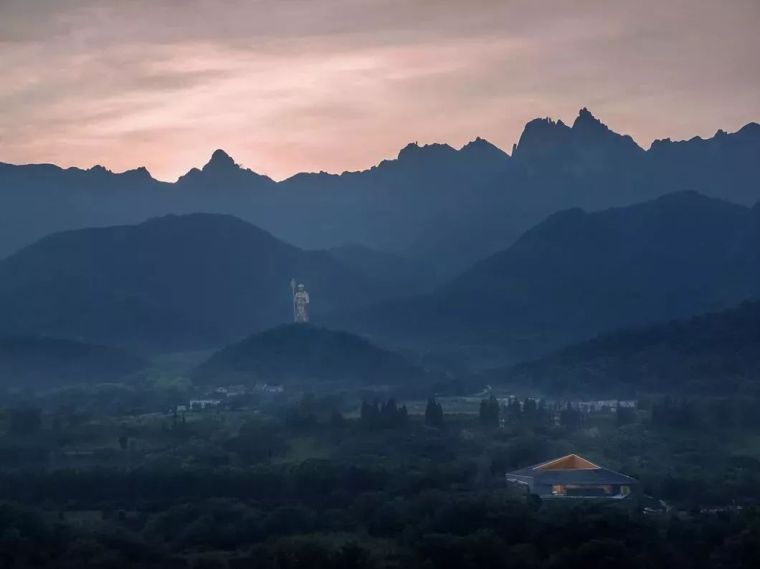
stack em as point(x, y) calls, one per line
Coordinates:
point(303, 352)
point(713, 353)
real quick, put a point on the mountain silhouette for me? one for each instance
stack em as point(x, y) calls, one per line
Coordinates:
point(587, 144)
point(222, 173)
point(447, 206)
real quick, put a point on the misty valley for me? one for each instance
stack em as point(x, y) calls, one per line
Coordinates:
point(458, 358)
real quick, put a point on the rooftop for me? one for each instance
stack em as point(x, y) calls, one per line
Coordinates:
point(571, 469)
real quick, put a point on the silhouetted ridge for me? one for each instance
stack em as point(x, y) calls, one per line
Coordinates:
point(448, 206)
point(414, 151)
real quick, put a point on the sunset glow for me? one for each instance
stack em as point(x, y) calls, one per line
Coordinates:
point(289, 86)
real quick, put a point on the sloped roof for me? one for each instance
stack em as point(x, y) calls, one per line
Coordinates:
point(571, 469)
point(568, 462)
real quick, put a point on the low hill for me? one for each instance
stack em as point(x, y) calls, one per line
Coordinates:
point(298, 352)
point(29, 362)
point(168, 284)
point(717, 353)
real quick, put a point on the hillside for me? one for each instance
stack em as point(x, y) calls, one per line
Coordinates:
point(298, 353)
point(171, 283)
point(578, 274)
point(713, 353)
point(32, 362)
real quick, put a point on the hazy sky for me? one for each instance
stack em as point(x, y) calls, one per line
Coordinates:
point(297, 85)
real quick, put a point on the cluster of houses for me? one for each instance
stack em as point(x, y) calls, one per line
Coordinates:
point(222, 395)
point(597, 406)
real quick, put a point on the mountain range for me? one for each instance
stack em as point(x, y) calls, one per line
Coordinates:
point(578, 274)
point(200, 281)
point(447, 206)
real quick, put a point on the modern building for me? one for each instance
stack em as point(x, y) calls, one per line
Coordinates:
point(572, 476)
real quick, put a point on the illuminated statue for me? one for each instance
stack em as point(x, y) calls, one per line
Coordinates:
point(300, 302)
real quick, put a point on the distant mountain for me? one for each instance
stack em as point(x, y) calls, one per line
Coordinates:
point(578, 274)
point(592, 164)
point(715, 353)
point(171, 283)
point(33, 362)
point(726, 164)
point(222, 173)
point(447, 206)
point(299, 353)
point(587, 147)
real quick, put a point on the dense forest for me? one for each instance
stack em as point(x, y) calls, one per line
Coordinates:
point(312, 481)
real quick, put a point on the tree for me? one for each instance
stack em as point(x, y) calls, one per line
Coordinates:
point(370, 414)
point(434, 414)
point(513, 411)
point(489, 412)
point(387, 415)
point(570, 418)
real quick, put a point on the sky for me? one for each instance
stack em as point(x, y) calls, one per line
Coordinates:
point(308, 85)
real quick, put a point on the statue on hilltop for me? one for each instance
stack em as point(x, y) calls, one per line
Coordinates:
point(300, 302)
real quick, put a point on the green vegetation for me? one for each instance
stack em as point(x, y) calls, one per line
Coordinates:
point(712, 354)
point(307, 481)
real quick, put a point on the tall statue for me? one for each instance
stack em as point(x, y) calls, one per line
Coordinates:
point(300, 302)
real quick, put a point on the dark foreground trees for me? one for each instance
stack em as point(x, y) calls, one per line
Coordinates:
point(430, 529)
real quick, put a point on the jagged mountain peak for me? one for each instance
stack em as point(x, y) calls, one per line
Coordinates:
point(220, 159)
point(481, 145)
point(221, 171)
point(545, 138)
point(586, 119)
point(140, 172)
point(414, 149)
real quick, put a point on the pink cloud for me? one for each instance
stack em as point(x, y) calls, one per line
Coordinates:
point(288, 86)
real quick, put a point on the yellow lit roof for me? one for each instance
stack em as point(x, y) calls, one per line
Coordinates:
point(569, 462)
